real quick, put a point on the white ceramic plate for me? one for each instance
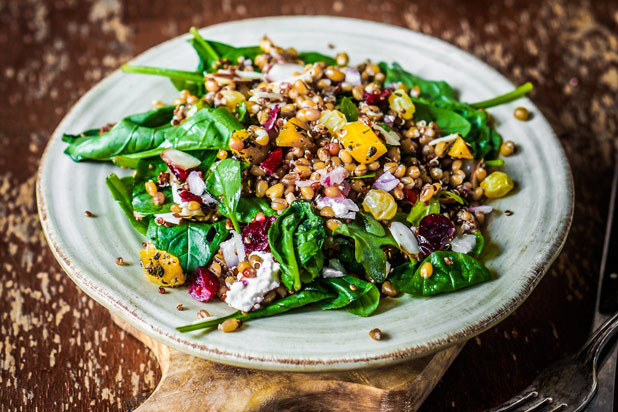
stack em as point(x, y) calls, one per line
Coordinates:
point(528, 241)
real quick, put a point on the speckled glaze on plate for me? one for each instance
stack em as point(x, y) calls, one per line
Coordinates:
point(522, 246)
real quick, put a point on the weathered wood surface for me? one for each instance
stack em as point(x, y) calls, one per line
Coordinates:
point(60, 351)
point(191, 384)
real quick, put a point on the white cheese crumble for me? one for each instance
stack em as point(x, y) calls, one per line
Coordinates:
point(248, 293)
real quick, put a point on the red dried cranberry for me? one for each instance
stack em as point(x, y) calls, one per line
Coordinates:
point(435, 232)
point(378, 96)
point(273, 161)
point(411, 195)
point(188, 196)
point(180, 174)
point(255, 235)
point(204, 285)
point(272, 118)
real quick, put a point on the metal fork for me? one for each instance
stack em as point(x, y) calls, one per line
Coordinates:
point(567, 385)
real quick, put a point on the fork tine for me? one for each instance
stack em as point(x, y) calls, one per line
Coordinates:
point(537, 405)
point(516, 401)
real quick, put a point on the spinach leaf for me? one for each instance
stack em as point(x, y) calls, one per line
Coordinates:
point(302, 298)
point(121, 189)
point(420, 210)
point(463, 271)
point(225, 184)
point(207, 129)
point(242, 113)
point(193, 243)
point(248, 207)
point(372, 225)
point(349, 109)
point(362, 301)
point(70, 138)
point(449, 121)
point(210, 52)
point(296, 240)
point(430, 89)
point(135, 133)
point(148, 170)
point(367, 247)
point(315, 57)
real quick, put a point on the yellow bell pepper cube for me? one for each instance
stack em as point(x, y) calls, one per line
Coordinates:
point(161, 267)
point(294, 134)
point(361, 142)
point(460, 149)
point(400, 102)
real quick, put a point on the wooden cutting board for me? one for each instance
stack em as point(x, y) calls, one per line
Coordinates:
point(194, 384)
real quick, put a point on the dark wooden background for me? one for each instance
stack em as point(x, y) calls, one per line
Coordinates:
point(59, 350)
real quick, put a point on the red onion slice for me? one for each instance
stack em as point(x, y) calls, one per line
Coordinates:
point(334, 177)
point(343, 207)
point(386, 182)
point(482, 208)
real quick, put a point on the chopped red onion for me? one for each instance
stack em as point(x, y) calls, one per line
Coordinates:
point(352, 77)
point(303, 183)
point(196, 183)
point(386, 182)
point(272, 118)
point(334, 177)
point(482, 208)
point(345, 188)
point(343, 207)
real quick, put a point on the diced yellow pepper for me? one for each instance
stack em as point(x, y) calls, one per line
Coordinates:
point(161, 267)
point(333, 120)
point(361, 142)
point(400, 102)
point(294, 134)
point(460, 149)
point(497, 185)
point(232, 99)
point(252, 152)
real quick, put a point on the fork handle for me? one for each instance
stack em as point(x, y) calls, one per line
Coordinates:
point(596, 342)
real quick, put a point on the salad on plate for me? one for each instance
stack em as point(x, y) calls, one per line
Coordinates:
point(279, 179)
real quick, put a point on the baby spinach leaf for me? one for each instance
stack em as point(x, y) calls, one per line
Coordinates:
point(172, 74)
point(193, 243)
point(248, 207)
point(135, 133)
point(209, 51)
point(449, 121)
point(206, 129)
point(367, 247)
point(372, 225)
point(70, 138)
point(225, 184)
point(362, 301)
point(296, 240)
point(349, 109)
point(315, 57)
point(430, 89)
point(302, 298)
point(148, 170)
point(451, 271)
point(420, 210)
point(121, 189)
point(242, 113)
point(479, 245)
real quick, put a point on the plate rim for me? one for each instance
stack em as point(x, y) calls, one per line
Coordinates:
point(115, 305)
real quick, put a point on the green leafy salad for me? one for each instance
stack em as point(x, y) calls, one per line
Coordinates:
point(278, 179)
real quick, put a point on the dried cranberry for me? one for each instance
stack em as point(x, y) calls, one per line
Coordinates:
point(255, 235)
point(378, 96)
point(204, 285)
point(273, 161)
point(411, 195)
point(180, 174)
point(272, 118)
point(188, 196)
point(435, 232)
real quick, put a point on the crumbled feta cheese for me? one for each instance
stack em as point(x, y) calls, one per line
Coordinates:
point(233, 249)
point(249, 293)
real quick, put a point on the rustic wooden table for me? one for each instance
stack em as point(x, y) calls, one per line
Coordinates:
point(59, 350)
